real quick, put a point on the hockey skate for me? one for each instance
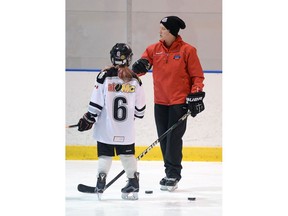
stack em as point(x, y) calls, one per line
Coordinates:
point(130, 191)
point(168, 184)
point(163, 184)
point(101, 183)
point(171, 184)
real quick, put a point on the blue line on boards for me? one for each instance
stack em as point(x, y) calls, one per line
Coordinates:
point(98, 70)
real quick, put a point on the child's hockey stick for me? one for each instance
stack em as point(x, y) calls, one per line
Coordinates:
point(71, 126)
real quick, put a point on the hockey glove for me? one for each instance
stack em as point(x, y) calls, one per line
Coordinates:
point(195, 103)
point(141, 66)
point(86, 122)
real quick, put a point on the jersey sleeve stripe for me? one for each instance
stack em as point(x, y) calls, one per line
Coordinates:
point(140, 110)
point(137, 116)
point(94, 108)
point(139, 113)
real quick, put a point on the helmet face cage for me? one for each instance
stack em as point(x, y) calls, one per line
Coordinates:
point(121, 54)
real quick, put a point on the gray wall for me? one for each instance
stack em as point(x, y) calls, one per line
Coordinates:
point(94, 26)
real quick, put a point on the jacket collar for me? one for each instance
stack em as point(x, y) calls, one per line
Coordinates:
point(174, 45)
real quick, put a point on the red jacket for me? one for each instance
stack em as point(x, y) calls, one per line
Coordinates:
point(176, 71)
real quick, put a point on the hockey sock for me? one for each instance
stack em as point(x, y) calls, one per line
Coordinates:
point(104, 164)
point(129, 164)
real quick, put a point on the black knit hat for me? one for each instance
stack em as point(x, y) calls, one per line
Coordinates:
point(173, 24)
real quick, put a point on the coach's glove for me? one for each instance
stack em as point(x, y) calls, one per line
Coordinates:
point(195, 103)
point(141, 66)
point(86, 122)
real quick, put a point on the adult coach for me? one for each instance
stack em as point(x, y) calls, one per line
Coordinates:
point(178, 84)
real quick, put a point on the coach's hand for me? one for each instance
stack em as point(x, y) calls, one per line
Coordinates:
point(141, 66)
point(195, 103)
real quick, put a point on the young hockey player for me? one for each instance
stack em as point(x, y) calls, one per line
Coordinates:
point(117, 99)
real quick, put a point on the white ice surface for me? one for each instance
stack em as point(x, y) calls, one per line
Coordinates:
point(202, 180)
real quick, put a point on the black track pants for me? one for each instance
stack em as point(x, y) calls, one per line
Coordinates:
point(171, 145)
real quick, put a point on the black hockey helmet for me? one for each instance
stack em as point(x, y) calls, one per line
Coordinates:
point(121, 54)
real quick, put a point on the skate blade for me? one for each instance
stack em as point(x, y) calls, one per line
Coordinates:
point(99, 195)
point(130, 196)
point(163, 188)
point(172, 188)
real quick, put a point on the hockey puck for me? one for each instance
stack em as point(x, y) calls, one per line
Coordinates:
point(191, 198)
point(148, 191)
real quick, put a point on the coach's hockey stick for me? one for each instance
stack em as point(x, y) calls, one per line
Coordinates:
point(90, 189)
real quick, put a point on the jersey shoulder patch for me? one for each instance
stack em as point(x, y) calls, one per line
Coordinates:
point(101, 77)
point(110, 72)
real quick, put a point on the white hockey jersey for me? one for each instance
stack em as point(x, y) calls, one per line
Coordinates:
point(116, 104)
